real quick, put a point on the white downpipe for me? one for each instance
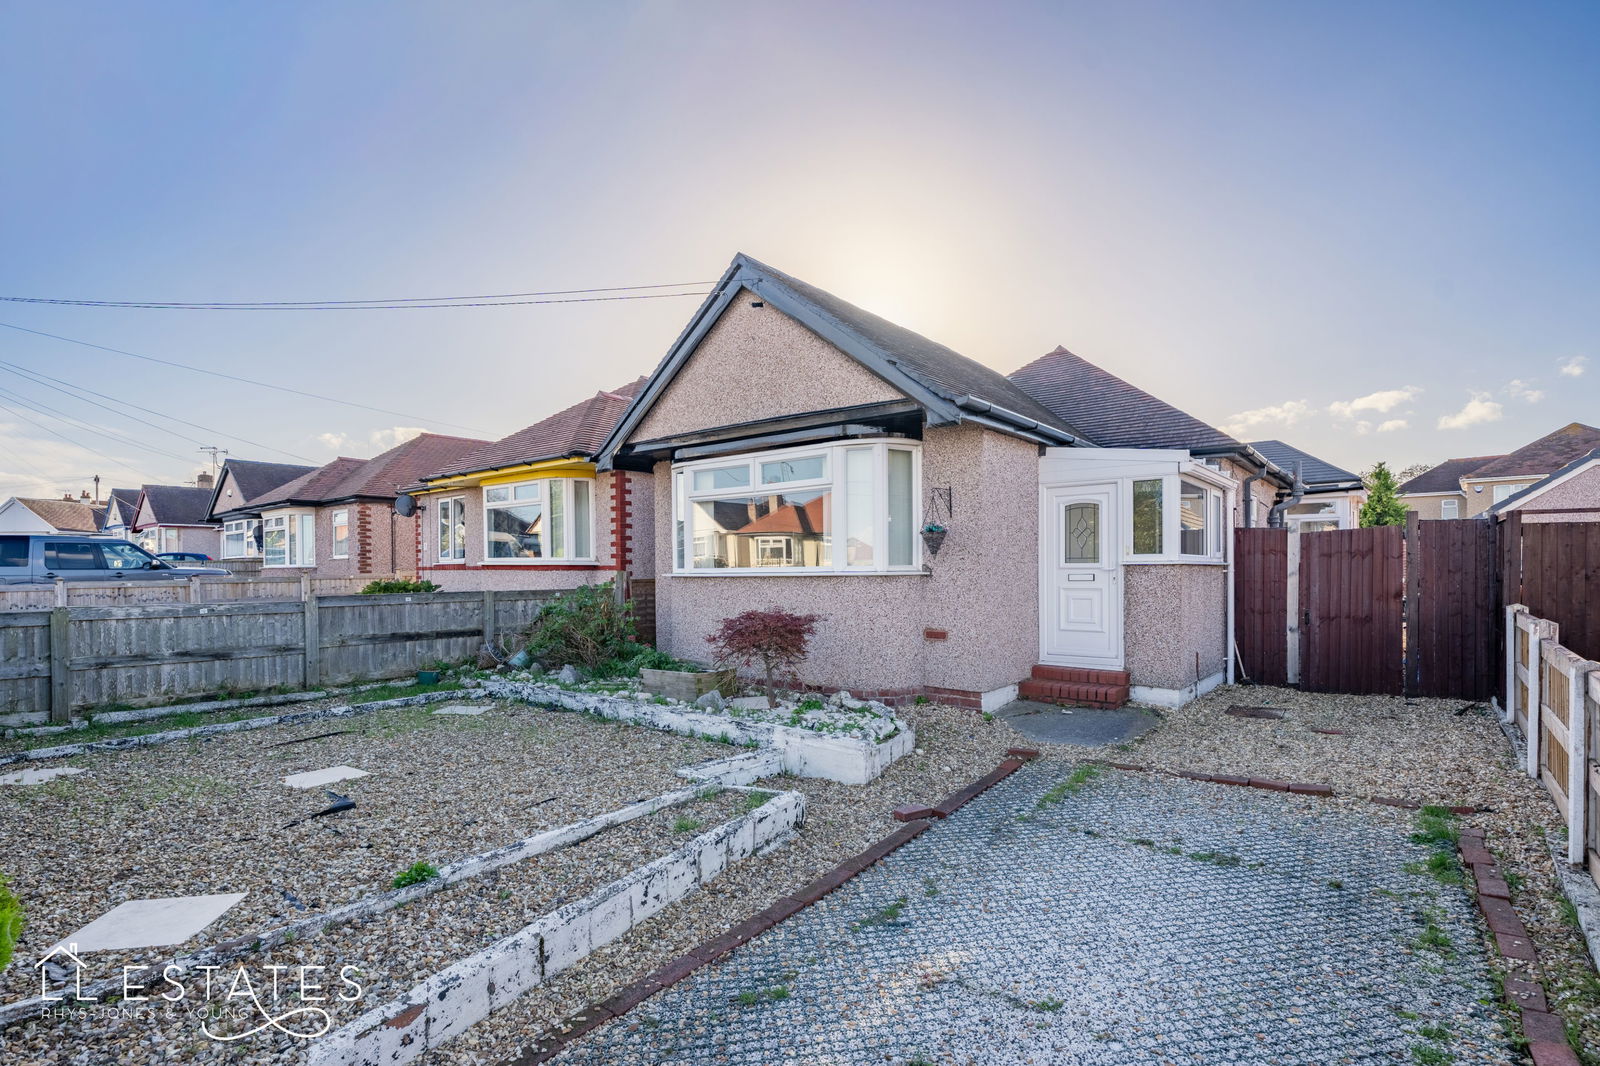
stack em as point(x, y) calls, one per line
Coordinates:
point(1232, 651)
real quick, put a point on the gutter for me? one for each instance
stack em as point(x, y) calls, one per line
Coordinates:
point(1017, 421)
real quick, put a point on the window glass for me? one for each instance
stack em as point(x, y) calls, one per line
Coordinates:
point(452, 529)
point(69, 556)
point(498, 494)
point(528, 490)
point(1147, 517)
point(1081, 533)
point(679, 503)
point(902, 508)
point(800, 468)
point(1192, 515)
point(859, 512)
point(1218, 528)
point(1449, 508)
point(13, 551)
point(1502, 491)
point(275, 543)
point(515, 531)
point(582, 520)
point(341, 534)
point(722, 477)
point(1320, 507)
point(558, 518)
point(792, 530)
point(124, 557)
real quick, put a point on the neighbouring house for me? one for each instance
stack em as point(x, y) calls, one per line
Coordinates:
point(1437, 493)
point(530, 511)
point(1332, 497)
point(965, 535)
point(22, 514)
point(339, 519)
point(122, 508)
point(241, 480)
point(1469, 488)
point(176, 518)
point(1570, 494)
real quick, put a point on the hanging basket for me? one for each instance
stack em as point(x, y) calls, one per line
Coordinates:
point(933, 539)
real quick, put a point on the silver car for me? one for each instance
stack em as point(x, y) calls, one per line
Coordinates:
point(41, 558)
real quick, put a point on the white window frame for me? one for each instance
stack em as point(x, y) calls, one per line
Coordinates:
point(569, 524)
point(1452, 506)
point(300, 539)
point(445, 552)
point(832, 481)
point(241, 527)
point(1215, 510)
point(334, 521)
point(1503, 492)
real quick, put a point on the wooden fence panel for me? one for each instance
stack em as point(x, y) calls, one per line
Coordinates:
point(1453, 616)
point(1351, 592)
point(1560, 580)
point(642, 597)
point(1261, 603)
point(25, 662)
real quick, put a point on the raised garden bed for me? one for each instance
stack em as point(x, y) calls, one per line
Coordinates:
point(686, 686)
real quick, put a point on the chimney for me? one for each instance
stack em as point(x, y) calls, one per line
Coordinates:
point(68, 497)
point(84, 495)
point(204, 480)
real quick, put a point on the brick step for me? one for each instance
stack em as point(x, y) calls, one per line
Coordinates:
point(1080, 675)
point(1075, 693)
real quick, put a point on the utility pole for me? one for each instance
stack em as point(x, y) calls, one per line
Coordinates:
point(97, 488)
point(215, 452)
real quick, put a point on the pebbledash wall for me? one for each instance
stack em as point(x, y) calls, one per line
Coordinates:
point(1580, 490)
point(621, 500)
point(1175, 630)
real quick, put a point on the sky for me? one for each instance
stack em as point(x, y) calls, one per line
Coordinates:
point(1370, 229)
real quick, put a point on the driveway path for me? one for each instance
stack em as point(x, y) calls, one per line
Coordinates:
point(1139, 920)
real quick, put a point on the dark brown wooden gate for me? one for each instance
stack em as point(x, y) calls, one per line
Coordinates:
point(1351, 587)
point(1453, 609)
point(1261, 603)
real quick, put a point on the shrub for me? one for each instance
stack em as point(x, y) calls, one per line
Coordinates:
point(397, 584)
point(416, 874)
point(773, 639)
point(586, 627)
point(10, 922)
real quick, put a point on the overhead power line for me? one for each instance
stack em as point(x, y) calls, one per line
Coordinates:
point(76, 444)
point(402, 303)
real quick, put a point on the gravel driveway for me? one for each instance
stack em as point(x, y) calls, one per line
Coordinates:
point(1137, 920)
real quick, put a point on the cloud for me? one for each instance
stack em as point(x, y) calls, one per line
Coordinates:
point(1478, 410)
point(1573, 368)
point(1518, 389)
point(384, 439)
point(1363, 427)
point(1392, 425)
point(1245, 423)
point(379, 440)
point(334, 441)
point(1381, 402)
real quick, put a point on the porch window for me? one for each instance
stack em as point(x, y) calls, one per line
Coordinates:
point(341, 534)
point(289, 540)
point(1148, 522)
point(1175, 518)
point(241, 539)
point(547, 519)
point(842, 508)
point(452, 529)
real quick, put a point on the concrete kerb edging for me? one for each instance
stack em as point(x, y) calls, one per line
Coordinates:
point(804, 752)
point(242, 725)
point(464, 993)
point(558, 1037)
point(377, 903)
point(1543, 1028)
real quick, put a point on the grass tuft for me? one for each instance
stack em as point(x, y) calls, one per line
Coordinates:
point(1070, 785)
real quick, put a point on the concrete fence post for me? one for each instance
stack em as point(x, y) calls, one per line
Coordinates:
point(1535, 697)
point(488, 617)
point(1508, 712)
point(60, 665)
point(1577, 764)
point(313, 642)
point(61, 592)
point(1292, 621)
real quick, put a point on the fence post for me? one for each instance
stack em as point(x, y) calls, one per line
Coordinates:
point(60, 665)
point(313, 643)
point(1411, 563)
point(1535, 697)
point(61, 592)
point(1508, 713)
point(1577, 764)
point(488, 617)
point(1291, 660)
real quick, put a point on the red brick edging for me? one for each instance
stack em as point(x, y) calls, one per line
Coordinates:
point(1301, 788)
point(564, 1033)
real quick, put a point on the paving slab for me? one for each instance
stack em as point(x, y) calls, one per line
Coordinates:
point(1083, 726)
point(318, 778)
point(462, 708)
point(39, 777)
point(150, 923)
point(1139, 920)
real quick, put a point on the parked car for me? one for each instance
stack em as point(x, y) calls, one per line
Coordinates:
point(184, 557)
point(40, 558)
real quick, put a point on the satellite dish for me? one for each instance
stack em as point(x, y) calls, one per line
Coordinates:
point(405, 506)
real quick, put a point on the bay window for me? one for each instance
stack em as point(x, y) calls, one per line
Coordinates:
point(289, 540)
point(452, 530)
point(241, 538)
point(540, 520)
point(850, 507)
point(341, 535)
point(1173, 518)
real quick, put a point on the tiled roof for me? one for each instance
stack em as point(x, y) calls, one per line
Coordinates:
point(577, 431)
point(127, 506)
point(178, 505)
point(1545, 455)
point(1446, 477)
point(380, 477)
point(1313, 471)
point(254, 478)
point(1516, 498)
point(68, 516)
point(1111, 412)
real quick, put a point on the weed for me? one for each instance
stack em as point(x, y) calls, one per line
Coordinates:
point(1143, 842)
point(1432, 938)
point(1429, 1055)
point(709, 792)
point(1069, 785)
point(684, 824)
point(810, 703)
point(922, 700)
point(754, 800)
point(1441, 866)
point(883, 916)
point(930, 887)
point(1335, 883)
point(11, 921)
point(1437, 1033)
point(987, 716)
point(1436, 827)
point(1216, 858)
point(505, 893)
point(1569, 913)
point(416, 874)
point(1514, 880)
point(751, 996)
point(1048, 1004)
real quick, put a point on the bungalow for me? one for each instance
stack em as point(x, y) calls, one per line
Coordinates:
point(1570, 494)
point(1332, 496)
point(339, 520)
point(1437, 492)
point(176, 518)
point(22, 514)
point(965, 534)
point(122, 508)
point(239, 481)
point(529, 511)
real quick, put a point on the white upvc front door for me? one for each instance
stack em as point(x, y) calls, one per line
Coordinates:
point(1080, 585)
